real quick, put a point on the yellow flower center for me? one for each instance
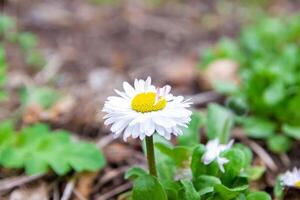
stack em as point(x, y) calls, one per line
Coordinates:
point(145, 102)
point(297, 184)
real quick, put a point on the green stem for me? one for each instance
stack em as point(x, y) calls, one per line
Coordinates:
point(151, 156)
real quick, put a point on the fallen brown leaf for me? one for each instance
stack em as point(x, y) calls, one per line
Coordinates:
point(85, 183)
point(220, 70)
point(37, 192)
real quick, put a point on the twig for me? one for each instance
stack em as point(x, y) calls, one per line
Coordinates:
point(78, 195)
point(115, 191)
point(285, 159)
point(110, 176)
point(140, 157)
point(104, 141)
point(204, 98)
point(55, 192)
point(10, 183)
point(68, 189)
point(52, 67)
point(263, 155)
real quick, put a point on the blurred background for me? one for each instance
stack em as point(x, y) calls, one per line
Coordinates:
point(63, 58)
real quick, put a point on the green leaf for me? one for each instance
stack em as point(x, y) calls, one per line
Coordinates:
point(205, 184)
point(279, 143)
point(134, 173)
point(247, 153)
point(206, 191)
point(291, 131)
point(198, 168)
point(204, 181)
point(255, 172)
point(225, 87)
point(35, 166)
point(6, 134)
point(274, 93)
point(85, 156)
point(27, 40)
point(219, 123)
point(180, 154)
point(229, 193)
point(191, 135)
point(188, 192)
point(172, 188)
point(278, 189)
point(258, 128)
point(241, 197)
point(35, 59)
point(237, 104)
point(233, 168)
point(258, 196)
point(147, 187)
point(38, 149)
point(6, 23)
point(12, 157)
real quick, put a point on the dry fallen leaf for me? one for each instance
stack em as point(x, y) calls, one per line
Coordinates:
point(220, 70)
point(37, 192)
point(32, 114)
point(62, 107)
point(85, 183)
point(35, 113)
point(180, 72)
point(117, 153)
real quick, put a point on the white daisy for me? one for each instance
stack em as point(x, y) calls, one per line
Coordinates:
point(142, 110)
point(213, 151)
point(291, 178)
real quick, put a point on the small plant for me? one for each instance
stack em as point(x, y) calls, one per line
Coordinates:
point(190, 171)
point(37, 149)
point(143, 110)
point(267, 54)
point(193, 172)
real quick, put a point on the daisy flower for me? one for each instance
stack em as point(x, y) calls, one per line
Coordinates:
point(142, 109)
point(291, 178)
point(213, 151)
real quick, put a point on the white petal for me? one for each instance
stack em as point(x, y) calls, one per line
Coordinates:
point(129, 90)
point(147, 83)
point(221, 161)
point(122, 94)
point(208, 158)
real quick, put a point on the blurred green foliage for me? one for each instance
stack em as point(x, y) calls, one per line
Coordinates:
point(191, 134)
point(38, 149)
point(25, 40)
point(268, 55)
point(42, 96)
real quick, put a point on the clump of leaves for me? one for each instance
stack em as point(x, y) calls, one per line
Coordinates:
point(37, 149)
point(267, 53)
point(25, 40)
point(197, 180)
